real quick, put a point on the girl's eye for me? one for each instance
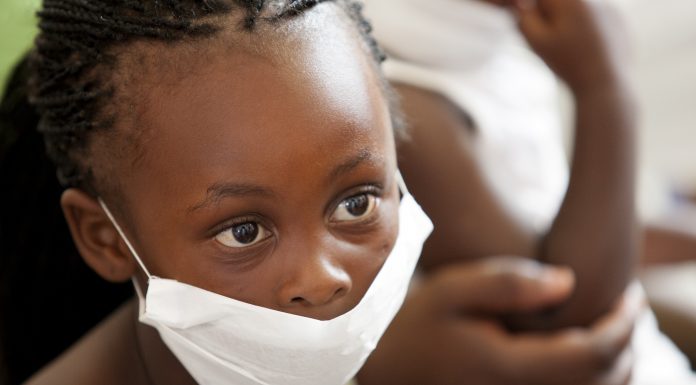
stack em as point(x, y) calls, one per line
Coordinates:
point(355, 208)
point(242, 235)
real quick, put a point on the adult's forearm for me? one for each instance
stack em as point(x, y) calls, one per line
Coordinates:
point(595, 232)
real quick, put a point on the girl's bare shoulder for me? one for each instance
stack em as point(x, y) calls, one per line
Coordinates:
point(106, 355)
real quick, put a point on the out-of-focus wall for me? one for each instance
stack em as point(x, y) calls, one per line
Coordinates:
point(664, 33)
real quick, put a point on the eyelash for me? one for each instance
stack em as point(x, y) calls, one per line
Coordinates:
point(372, 190)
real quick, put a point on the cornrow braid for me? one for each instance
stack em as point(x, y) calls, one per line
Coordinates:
point(69, 85)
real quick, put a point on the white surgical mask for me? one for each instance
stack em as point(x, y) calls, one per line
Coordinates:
point(220, 340)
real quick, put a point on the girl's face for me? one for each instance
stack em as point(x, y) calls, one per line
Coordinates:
point(268, 173)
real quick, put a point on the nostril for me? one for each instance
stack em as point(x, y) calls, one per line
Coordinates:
point(340, 293)
point(314, 290)
point(299, 300)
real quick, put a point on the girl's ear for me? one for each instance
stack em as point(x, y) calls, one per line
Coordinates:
point(96, 237)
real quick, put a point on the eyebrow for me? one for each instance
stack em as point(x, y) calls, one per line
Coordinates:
point(363, 156)
point(219, 191)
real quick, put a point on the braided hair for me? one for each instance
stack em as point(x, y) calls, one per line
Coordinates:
point(75, 54)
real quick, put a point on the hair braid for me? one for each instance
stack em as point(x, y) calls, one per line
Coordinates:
point(70, 81)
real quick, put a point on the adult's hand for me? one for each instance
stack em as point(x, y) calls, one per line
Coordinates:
point(448, 332)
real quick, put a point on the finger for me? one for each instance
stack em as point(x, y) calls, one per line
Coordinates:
point(573, 355)
point(622, 372)
point(544, 359)
point(500, 285)
point(613, 333)
point(567, 358)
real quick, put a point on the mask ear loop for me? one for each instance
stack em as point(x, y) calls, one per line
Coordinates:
point(123, 236)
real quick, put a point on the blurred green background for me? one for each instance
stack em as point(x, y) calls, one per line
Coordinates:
point(17, 29)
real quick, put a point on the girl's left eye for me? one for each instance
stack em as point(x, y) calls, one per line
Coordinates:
point(243, 235)
point(355, 208)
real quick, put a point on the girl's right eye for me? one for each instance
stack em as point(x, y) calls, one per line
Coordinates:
point(243, 235)
point(355, 208)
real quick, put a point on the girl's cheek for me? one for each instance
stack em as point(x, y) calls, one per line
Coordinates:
point(389, 231)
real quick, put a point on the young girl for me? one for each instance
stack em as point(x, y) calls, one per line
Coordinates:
point(236, 161)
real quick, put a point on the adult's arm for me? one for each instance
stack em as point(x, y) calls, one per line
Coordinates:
point(448, 332)
point(594, 232)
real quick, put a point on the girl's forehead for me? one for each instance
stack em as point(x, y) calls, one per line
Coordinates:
point(317, 43)
point(319, 69)
point(250, 109)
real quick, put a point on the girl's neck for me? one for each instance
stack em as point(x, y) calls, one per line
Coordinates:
point(159, 365)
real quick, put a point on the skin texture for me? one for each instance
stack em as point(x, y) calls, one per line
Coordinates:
point(282, 136)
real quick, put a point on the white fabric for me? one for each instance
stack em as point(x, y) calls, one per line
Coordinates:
point(658, 361)
point(509, 92)
point(429, 26)
point(223, 341)
point(513, 99)
point(517, 149)
point(672, 286)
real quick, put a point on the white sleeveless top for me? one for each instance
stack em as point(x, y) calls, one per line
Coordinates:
point(510, 94)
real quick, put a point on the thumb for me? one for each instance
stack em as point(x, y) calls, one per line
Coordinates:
point(500, 285)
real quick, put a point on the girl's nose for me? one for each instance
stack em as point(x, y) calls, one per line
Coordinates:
point(317, 281)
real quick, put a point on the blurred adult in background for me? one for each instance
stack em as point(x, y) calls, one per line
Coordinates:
point(465, 60)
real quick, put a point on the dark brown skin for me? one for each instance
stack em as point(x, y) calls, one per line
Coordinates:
point(447, 332)
point(135, 355)
point(291, 131)
point(594, 232)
